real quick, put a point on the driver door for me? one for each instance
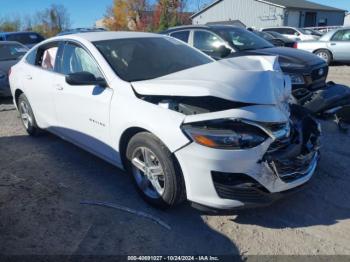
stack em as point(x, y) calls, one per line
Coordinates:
point(82, 111)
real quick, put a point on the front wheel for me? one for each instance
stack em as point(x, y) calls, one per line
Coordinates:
point(27, 116)
point(155, 171)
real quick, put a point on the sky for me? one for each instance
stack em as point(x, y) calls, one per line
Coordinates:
point(84, 13)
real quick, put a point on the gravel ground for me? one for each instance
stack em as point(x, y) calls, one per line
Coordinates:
point(44, 180)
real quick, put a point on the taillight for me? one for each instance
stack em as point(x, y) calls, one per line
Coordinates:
point(295, 45)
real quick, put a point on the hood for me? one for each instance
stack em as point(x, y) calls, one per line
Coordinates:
point(253, 80)
point(289, 56)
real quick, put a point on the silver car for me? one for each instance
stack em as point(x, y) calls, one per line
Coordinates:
point(333, 46)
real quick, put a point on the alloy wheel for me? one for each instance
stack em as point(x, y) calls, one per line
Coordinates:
point(148, 172)
point(25, 115)
point(323, 55)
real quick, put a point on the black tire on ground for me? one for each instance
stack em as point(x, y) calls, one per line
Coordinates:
point(325, 54)
point(25, 108)
point(173, 182)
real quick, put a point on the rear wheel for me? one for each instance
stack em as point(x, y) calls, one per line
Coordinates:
point(325, 55)
point(27, 116)
point(155, 171)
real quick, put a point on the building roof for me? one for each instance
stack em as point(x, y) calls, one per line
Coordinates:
point(297, 4)
point(302, 4)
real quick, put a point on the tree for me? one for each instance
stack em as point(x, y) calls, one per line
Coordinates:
point(52, 20)
point(127, 15)
point(10, 25)
point(169, 13)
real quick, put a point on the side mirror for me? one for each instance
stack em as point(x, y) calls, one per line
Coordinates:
point(223, 51)
point(85, 79)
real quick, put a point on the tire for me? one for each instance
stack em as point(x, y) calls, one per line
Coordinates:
point(325, 55)
point(170, 187)
point(27, 116)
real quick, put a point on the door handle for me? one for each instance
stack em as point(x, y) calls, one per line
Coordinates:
point(59, 87)
point(333, 44)
point(28, 77)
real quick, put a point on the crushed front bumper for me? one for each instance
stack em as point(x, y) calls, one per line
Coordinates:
point(230, 179)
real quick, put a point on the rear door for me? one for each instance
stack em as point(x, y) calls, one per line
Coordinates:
point(340, 45)
point(37, 80)
point(82, 111)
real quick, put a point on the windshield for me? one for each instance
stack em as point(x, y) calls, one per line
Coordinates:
point(25, 38)
point(11, 51)
point(136, 59)
point(242, 39)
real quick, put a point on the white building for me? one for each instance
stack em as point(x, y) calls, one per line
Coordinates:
point(347, 20)
point(265, 13)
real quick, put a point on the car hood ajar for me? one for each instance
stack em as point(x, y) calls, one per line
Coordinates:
point(288, 56)
point(252, 80)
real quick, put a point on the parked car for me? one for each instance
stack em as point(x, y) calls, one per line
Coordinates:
point(28, 39)
point(275, 38)
point(313, 32)
point(307, 71)
point(10, 54)
point(182, 124)
point(333, 46)
point(80, 30)
point(296, 34)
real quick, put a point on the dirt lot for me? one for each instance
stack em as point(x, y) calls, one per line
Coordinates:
point(44, 180)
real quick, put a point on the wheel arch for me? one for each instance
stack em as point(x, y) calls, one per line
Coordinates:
point(124, 141)
point(18, 92)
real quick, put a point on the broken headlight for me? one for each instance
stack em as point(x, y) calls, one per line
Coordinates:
point(225, 134)
point(297, 79)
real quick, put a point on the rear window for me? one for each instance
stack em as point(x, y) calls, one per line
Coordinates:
point(181, 35)
point(11, 52)
point(136, 59)
point(26, 39)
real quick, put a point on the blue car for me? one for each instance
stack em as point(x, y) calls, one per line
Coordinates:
point(28, 39)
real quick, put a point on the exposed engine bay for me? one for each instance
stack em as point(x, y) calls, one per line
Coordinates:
point(194, 105)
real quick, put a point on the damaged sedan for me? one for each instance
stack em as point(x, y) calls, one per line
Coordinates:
point(220, 134)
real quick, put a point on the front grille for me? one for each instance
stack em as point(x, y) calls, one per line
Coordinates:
point(292, 169)
point(295, 156)
point(239, 187)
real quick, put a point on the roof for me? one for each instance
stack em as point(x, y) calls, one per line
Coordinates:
point(302, 4)
point(295, 4)
point(101, 36)
point(206, 26)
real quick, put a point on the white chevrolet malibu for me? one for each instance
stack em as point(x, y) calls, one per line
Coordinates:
point(218, 133)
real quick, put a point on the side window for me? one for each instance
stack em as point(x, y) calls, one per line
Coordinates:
point(206, 41)
point(75, 59)
point(181, 35)
point(289, 31)
point(342, 35)
point(46, 56)
point(30, 58)
point(278, 30)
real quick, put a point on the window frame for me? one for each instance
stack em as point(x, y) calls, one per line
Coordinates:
point(78, 44)
point(183, 30)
